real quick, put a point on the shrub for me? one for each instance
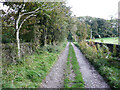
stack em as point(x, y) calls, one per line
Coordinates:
point(31, 71)
point(102, 59)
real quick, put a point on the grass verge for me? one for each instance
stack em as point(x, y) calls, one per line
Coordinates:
point(78, 80)
point(101, 59)
point(110, 40)
point(30, 72)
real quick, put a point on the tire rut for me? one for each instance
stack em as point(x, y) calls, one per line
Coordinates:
point(90, 76)
point(55, 79)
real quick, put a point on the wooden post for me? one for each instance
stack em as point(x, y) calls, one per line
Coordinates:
point(119, 22)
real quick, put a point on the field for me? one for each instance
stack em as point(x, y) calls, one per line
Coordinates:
point(111, 40)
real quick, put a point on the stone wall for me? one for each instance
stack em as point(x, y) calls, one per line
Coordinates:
point(9, 51)
point(110, 46)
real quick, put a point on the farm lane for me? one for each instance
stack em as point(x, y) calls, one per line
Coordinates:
point(90, 76)
point(55, 78)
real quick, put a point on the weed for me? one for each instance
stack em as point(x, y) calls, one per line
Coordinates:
point(30, 72)
point(78, 82)
point(107, 65)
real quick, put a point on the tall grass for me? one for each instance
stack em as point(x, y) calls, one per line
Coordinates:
point(30, 72)
point(102, 59)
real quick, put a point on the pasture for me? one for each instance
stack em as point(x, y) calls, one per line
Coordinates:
point(110, 40)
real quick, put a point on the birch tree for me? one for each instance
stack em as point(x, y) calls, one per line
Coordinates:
point(18, 27)
point(50, 21)
point(22, 13)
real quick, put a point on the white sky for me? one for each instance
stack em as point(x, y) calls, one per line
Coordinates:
point(95, 8)
point(3, 7)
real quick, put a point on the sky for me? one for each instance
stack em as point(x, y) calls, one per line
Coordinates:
point(3, 7)
point(95, 8)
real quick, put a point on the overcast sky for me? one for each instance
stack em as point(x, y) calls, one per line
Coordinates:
point(96, 8)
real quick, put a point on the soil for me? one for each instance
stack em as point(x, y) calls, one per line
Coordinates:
point(90, 76)
point(55, 79)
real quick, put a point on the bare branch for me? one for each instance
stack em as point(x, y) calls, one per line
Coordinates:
point(25, 20)
point(23, 6)
point(31, 12)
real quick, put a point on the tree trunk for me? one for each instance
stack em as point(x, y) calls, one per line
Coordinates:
point(91, 34)
point(17, 36)
point(54, 43)
point(45, 37)
point(18, 44)
point(45, 41)
point(18, 27)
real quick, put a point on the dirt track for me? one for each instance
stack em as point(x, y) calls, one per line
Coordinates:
point(91, 77)
point(55, 78)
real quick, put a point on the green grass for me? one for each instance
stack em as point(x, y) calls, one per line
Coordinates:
point(31, 71)
point(0, 73)
point(78, 82)
point(111, 40)
point(105, 64)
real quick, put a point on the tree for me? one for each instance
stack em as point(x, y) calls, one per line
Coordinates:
point(49, 20)
point(21, 12)
point(100, 27)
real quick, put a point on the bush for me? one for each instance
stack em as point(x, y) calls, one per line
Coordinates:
point(102, 59)
point(31, 71)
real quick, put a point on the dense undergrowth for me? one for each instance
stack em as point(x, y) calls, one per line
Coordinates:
point(78, 80)
point(102, 59)
point(30, 72)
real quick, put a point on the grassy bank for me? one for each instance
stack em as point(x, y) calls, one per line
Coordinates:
point(30, 72)
point(102, 60)
point(111, 40)
point(78, 81)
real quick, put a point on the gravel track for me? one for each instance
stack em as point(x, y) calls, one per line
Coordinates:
point(90, 76)
point(55, 79)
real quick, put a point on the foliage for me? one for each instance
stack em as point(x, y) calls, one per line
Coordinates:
point(70, 38)
point(101, 28)
point(48, 26)
point(47, 19)
point(30, 72)
point(78, 82)
point(102, 59)
point(83, 31)
point(114, 50)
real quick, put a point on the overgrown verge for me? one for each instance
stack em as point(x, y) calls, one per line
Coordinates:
point(102, 59)
point(77, 81)
point(30, 72)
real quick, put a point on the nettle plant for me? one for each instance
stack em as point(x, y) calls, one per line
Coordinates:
point(90, 52)
point(97, 52)
point(104, 52)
